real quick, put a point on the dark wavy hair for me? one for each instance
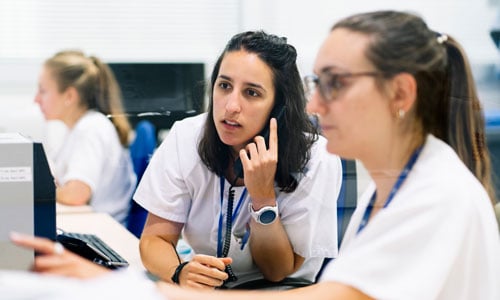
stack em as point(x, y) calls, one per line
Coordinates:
point(447, 102)
point(296, 134)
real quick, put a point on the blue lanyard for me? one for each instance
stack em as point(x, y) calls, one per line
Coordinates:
point(395, 188)
point(234, 215)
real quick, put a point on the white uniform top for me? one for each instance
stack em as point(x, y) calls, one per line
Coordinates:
point(92, 153)
point(437, 239)
point(178, 186)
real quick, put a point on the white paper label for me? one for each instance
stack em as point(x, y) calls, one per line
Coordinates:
point(15, 174)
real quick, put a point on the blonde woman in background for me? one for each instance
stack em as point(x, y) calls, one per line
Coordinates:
point(93, 165)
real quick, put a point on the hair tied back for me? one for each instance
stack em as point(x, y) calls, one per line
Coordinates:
point(441, 38)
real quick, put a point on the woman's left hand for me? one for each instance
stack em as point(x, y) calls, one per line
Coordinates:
point(54, 259)
point(259, 164)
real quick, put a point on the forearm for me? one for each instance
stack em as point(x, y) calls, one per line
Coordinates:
point(158, 256)
point(321, 291)
point(271, 250)
point(74, 192)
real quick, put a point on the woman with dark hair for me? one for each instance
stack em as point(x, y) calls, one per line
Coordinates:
point(93, 164)
point(273, 222)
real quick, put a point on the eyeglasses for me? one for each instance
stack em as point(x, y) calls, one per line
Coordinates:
point(330, 84)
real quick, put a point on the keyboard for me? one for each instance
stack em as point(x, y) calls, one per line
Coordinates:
point(92, 248)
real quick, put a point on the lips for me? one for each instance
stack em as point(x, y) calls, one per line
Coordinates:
point(231, 123)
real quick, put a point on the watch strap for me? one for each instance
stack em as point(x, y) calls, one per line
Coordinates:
point(177, 272)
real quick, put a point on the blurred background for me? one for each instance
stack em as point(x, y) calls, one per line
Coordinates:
point(174, 44)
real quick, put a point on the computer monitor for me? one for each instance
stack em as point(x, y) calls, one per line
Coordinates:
point(27, 197)
point(160, 92)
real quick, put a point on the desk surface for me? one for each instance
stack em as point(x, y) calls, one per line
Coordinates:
point(109, 230)
point(70, 209)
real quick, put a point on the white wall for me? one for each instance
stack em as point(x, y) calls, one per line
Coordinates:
point(194, 30)
point(306, 23)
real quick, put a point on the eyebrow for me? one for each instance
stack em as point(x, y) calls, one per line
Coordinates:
point(329, 68)
point(255, 85)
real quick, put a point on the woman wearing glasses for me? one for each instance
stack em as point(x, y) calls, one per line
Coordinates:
point(399, 97)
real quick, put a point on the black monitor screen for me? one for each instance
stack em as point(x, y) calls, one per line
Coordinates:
point(160, 92)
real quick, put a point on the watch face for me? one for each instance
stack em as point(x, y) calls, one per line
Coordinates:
point(267, 217)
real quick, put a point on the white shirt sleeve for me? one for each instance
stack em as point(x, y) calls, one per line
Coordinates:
point(162, 189)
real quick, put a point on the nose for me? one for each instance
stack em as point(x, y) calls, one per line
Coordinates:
point(314, 104)
point(233, 102)
point(37, 98)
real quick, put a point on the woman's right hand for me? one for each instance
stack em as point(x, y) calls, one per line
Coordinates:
point(55, 260)
point(204, 271)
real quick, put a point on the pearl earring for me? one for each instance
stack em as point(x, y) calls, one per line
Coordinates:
point(401, 113)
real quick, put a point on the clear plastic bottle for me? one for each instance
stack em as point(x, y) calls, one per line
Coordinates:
point(184, 250)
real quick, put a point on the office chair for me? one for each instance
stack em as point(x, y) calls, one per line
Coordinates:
point(141, 150)
point(346, 203)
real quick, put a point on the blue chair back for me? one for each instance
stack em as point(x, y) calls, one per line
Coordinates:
point(141, 150)
point(346, 203)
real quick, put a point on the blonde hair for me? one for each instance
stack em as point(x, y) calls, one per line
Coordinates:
point(95, 84)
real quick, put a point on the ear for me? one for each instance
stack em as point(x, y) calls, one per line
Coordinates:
point(70, 96)
point(404, 92)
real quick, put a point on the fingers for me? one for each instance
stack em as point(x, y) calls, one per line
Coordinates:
point(273, 137)
point(209, 261)
point(204, 271)
point(260, 141)
point(55, 260)
point(40, 245)
point(226, 260)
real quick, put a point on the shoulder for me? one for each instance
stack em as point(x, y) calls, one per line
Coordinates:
point(93, 122)
point(442, 179)
point(439, 164)
point(183, 137)
point(190, 126)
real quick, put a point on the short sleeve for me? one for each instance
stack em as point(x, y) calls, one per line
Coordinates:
point(309, 214)
point(86, 158)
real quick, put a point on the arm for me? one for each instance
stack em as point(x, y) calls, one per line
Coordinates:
point(270, 246)
point(158, 254)
point(320, 291)
point(272, 251)
point(74, 192)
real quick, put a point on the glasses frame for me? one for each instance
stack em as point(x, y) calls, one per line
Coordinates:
point(328, 91)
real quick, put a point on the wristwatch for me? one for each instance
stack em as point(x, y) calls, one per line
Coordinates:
point(266, 215)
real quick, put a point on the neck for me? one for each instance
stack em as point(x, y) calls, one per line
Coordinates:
point(386, 168)
point(231, 177)
point(72, 117)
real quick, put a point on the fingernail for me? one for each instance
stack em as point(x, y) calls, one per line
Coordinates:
point(14, 236)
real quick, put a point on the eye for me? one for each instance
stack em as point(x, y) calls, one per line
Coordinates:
point(252, 93)
point(335, 82)
point(224, 85)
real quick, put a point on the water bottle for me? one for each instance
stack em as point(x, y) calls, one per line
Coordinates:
point(184, 250)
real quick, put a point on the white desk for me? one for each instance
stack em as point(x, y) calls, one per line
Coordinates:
point(109, 230)
point(72, 209)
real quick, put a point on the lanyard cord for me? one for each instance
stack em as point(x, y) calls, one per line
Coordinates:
point(395, 188)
